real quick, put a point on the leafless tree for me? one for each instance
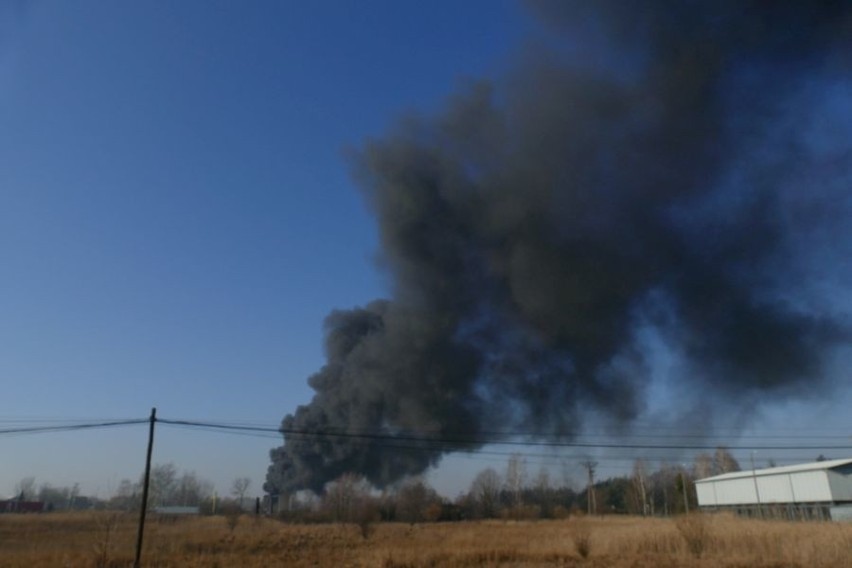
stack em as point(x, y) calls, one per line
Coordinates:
point(724, 462)
point(485, 492)
point(162, 483)
point(516, 478)
point(25, 489)
point(640, 483)
point(345, 497)
point(415, 501)
point(239, 488)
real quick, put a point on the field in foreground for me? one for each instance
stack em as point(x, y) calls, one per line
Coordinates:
point(104, 539)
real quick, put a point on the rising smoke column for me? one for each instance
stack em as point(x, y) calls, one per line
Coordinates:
point(679, 182)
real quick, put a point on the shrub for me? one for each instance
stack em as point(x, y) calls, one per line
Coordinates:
point(693, 529)
point(582, 538)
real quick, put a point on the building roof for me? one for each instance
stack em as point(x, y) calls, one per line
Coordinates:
point(813, 466)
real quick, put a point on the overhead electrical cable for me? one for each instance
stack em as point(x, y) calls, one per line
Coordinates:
point(474, 441)
point(69, 427)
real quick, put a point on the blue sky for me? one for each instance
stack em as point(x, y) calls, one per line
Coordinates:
point(177, 211)
point(177, 214)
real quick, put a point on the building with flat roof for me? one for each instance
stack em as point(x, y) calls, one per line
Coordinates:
point(818, 490)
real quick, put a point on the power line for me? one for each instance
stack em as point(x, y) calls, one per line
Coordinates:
point(459, 443)
point(69, 427)
point(451, 444)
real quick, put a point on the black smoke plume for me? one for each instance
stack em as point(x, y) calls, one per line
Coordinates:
point(675, 166)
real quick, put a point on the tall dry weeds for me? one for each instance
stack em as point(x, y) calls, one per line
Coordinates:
point(581, 535)
point(42, 541)
point(693, 529)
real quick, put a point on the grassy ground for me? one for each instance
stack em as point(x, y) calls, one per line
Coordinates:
point(106, 539)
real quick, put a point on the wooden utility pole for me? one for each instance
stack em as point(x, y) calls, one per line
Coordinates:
point(144, 508)
point(590, 488)
point(756, 488)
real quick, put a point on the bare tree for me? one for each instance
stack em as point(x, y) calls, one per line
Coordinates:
point(724, 462)
point(345, 497)
point(190, 490)
point(127, 496)
point(516, 478)
point(640, 483)
point(703, 466)
point(25, 489)
point(485, 492)
point(162, 484)
point(542, 490)
point(239, 488)
point(415, 502)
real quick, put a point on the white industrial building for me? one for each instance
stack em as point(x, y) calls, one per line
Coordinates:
point(819, 490)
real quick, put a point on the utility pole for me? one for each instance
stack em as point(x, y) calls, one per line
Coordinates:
point(144, 508)
point(685, 497)
point(590, 489)
point(756, 489)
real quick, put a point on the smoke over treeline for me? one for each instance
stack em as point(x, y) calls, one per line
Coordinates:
point(675, 166)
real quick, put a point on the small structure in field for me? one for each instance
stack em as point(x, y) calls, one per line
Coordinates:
point(177, 511)
point(21, 506)
point(819, 490)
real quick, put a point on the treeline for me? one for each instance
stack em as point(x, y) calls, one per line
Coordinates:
point(508, 494)
point(511, 494)
point(55, 498)
point(167, 487)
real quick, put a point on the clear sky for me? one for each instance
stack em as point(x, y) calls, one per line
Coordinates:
point(176, 211)
point(177, 214)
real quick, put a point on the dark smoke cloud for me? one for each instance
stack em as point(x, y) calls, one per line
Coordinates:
point(538, 225)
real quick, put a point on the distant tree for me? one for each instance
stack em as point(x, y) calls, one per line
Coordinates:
point(345, 498)
point(127, 497)
point(189, 490)
point(542, 493)
point(168, 486)
point(703, 466)
point(684, 493)
point(640, 485)
point(724, 462)
point(516, 479)
point(25, 489)
point(485, 493)
point(416, 502)
point(54, 498)
point(239, 488)
point(73, 495)
point(720, 462)
point(161, 485)
point(664, 494)
point(613, 494)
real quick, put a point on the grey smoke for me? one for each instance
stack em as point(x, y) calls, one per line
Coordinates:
point(535, 227)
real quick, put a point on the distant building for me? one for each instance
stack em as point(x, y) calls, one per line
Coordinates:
point(21, 506)
point(820, 490)
point(177, 511)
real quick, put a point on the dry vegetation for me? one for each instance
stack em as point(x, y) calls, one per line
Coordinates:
point(89, 539)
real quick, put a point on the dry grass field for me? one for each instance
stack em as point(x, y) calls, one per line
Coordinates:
point(104, 539)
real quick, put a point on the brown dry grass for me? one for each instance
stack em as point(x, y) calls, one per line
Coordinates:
point(96, 540)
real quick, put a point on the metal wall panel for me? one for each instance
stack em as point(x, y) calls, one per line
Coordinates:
point(841, 485)
point(791, 484)
point(811, 486)
point(706, 494)
point(841, 513)
point(775, 489)
point(735, 491)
